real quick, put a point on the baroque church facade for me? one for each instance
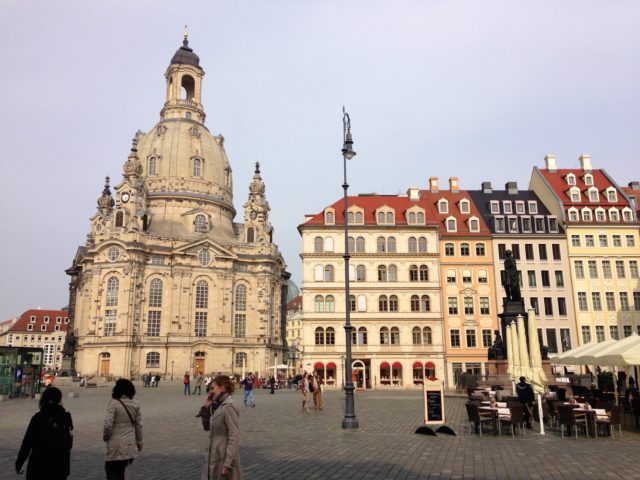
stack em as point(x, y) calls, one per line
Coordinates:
point(167, 282)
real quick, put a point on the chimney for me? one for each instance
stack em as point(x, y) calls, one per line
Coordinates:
point(511, 188)
point(453, 185)
point(550, 162)
point(414, 194)
point(486, 187)
point(634, 185)
point(433, 185)
point(585, 163)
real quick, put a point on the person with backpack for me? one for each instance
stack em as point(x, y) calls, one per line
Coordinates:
point(122, 430)
point(48, 440)
point(247, 383)
point(186, 380)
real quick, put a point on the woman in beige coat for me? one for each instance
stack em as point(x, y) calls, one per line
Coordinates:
point(122, 430)
point(222, 417)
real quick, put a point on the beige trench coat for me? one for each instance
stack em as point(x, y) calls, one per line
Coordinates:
point(122, 438)
point(224, 443)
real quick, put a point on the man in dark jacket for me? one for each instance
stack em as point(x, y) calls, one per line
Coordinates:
point(525, 397)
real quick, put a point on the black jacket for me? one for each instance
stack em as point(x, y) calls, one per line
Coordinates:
point(47, 444)
point(525, 392)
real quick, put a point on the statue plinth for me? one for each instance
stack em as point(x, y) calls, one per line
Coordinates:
point(67, 368)
point(511, 309)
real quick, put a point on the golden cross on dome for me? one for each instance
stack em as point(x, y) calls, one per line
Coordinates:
point(186, 33)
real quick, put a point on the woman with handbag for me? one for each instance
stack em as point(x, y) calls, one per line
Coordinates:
point(122, 430)
point(221, 418)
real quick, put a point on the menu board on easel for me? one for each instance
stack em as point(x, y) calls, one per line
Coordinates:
point(433, 394)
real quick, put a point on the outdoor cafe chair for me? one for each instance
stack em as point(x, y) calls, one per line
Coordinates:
point(517, 416)
point(613, 419)
point(569, 419)
point(476, 419)
point(554, 416)
point(504, 418)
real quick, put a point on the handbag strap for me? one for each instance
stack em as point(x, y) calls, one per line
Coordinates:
point(128, 414)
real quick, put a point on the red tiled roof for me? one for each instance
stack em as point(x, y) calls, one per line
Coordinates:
point(462, 225)
point(25, 320)
point(295, 304)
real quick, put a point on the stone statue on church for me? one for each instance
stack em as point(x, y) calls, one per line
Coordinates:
point(511, 279)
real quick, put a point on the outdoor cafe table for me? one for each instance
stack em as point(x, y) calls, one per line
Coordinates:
point(591, 419)
point(495, 416)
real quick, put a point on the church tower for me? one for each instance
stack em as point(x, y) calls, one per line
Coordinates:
point(167, 280)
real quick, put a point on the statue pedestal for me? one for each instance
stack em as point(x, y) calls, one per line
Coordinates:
point(68, 368)
point(510, 311)
point(497, 367)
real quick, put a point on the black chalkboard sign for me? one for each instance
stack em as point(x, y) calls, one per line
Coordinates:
point(435, 411)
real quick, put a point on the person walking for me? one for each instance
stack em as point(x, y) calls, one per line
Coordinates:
point(199, 382)
point(317, 391)
point(221, 417)
point(152, 380)
point(272, 384)
point(526, 398)
point(304, 388)
point(247, 384)
point(157, 377)
point(122, 429)
point(48, 440)
point(186, 380)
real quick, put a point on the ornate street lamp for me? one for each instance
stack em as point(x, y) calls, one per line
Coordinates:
point(349, 420)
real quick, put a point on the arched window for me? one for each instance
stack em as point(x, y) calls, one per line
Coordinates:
point(241, 359)
point(119, 218)
point(318, 273)
point(600, 215)
point(330, 336)
point(197, 167)
point(329, 218)
point(155, 293)
point(358, 217)
point(153, 360)
point(329, 304)
point(420, 217)
point(416, 336)
point(425, 303)
point(361, 273)
point(112, 291)
point(352, 273)
point(383, 303)
point(382, 273)
point(380, 217)
point(389, 217)
point(319, 304)
point(251, 235)
point(422, 244)
point(352, 303)
point(319, 336)
point(200, 223)
point(241, 298)
point(350, 217)
point(449, 250)
point(202, 303)
point(413, 245)
point(360, 338)
point(384, 336)
point(614, 215)
point(427, 337)
point(393, 303)
point(415, 303)
point(381, 245)
point(424, 273)
point(412, 217)
point(391, 244)
point(480, 250)
point(451, 225)
point(360, 245)
point(202, 294)
point(318, 245)
point(351, 244)
point(413, 273)
point(395, 336)
point(152, 166)
point(204, 257)
point(328, 244)
point(464, 249)
point(586, 214)
point(392, 273)
point(328, 273)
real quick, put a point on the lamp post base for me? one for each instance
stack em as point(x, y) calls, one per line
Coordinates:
point(349, 423)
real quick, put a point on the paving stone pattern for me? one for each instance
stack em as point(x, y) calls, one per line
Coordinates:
point(278, 441)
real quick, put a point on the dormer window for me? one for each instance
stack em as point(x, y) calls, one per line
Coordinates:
point(506, 207)
point(197, 167)
point(612, 196)
point(553, 224)
point(451, 224)
point(464, 206)
point(593, 194)
point(43, 328)
point(46, 319)
point(571, 179)
point(614, 215)
point(520, 208)
point(588, 179)
point(30, 328)
point(32, 319)
point(58, 319)
point(498, 223)
point(627, 216)
point(200, 223)
point(415, 218)
point(539, 224)
point(600, 215)
point(495, 207)
point(526, 224)
point(443, 206)
point(329, 218)
point(474, 224)
point(574, 194)
point(533, 207)
point(359, 218)
point(152, 166)
point(573, 215)
point(586, 215)
point(513, 224)
point(385, 218)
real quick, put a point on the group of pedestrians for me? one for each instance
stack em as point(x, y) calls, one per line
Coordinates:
point(149, 380)
point(311, 383)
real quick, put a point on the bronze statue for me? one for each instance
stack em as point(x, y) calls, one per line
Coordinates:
point(496, 351)
point(511, 280)
point(69, 344)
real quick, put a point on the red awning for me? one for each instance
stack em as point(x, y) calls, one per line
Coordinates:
point(417, 364)
point(331, 366)
point(318, 366)
point(397, 365)
point(384, 365)
point(430, 365)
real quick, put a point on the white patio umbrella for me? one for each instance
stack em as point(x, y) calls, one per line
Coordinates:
point(538, 377)
point(509, 353)
point(564, 357)
point(525, 365)
point(625, 353)
point(585, 356)
point(515, 345)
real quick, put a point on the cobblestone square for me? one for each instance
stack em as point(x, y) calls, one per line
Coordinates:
point(278, 441)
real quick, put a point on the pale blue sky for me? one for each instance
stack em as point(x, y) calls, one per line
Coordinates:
point(479, 90)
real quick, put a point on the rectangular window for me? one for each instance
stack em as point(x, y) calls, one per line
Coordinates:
point(201, 324)
point(520, 208)
point(624, 301)
point(110, 322)
point(455, 338)
point(531, 278)
point(610, 300)
point(555, 249)
point(593, 269)
point(513, 224)
point(627, 331)
point(546, 280)
point(620, 269)
point(468, 305)
point(575, 240)
point(559, 279)
point(502, 248)
point(548, 306)
point(617, 240)
point(153, 323)
point(495, 207)
point(553, 224)
point(586, 334)
point(534, 304)
point(613, 332)
point(471, 339)
point(633, 268)
point(528, 251)
point(631, 240)
point(539, 224)
point(636, 301)
point(453, 305)
point(552, 342)
point(542, 250)
point(589, 241)
point(484, 306)
point(578, 267)
point(526, 224)
point(486, 338)
point(596, 301)
point(582, 301)
point(240, 325)
point(599, 333)
point(506, 207)
point(602, 240)
point(515, 248)
point(606, 269)
point(499, 224)
point(565, 339)
point(562, 306)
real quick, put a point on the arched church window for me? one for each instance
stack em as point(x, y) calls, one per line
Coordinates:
point(250, 235)
point(188, 88)
point(241, 298)
point(119, 218)
point(153, 360)
point(112, 291)
point(204, 257)
point(200, 223)
point(155, 293)
point(152, 166)
point(197, 167)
